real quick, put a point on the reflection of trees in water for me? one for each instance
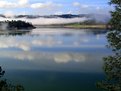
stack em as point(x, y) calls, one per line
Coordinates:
point(5, 86)
point(15, 33)
point(112, 64)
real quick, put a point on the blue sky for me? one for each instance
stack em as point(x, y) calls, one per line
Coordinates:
point(49, 7)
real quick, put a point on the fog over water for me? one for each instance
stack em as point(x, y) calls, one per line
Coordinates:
point(59, 20)
point(48, 21)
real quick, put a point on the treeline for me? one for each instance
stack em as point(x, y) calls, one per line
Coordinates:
point(14, 24)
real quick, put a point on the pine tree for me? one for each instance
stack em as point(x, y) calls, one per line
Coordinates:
point(112, 64)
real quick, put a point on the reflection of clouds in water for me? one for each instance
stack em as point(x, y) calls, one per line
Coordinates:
point(86, 40)
point(37, 56)
point(62, 44)
point(59, 31)
point(62, 58)
point(76, 43)
point(12, 42)
point(98, 36)
point(62, 61)
point(31, 56)
point(66, 61)
point(67, 57)
point(43, 42)
point(59, 42)
point(47, 41)
point(23, 57)
point(81, 40)
point(26, 45)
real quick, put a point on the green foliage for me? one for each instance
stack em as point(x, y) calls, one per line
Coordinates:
point(112, 64)
point(116, 2)
point(5, 86)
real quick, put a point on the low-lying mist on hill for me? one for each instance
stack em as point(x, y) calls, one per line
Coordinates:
point(58, 19)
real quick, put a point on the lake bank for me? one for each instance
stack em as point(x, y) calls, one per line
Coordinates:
point(86, 26)
point(73, 26)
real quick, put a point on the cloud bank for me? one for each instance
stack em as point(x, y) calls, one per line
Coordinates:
point(48, 21)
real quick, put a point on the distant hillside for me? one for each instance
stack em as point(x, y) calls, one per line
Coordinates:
point(59, 19)
point(52, 16)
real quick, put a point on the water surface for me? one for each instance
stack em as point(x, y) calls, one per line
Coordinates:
point(54, 59)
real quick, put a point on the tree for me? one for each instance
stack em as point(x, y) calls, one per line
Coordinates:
point(4, 86)
point(112, 64)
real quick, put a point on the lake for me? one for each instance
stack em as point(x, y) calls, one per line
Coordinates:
point(54, 59)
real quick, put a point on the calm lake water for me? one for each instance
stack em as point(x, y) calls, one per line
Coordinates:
point(54, 59)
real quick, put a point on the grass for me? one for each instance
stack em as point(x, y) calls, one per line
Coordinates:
point(93, 26)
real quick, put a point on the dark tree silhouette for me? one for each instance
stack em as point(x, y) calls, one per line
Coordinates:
point(19, 25)
point(5, 86)
point(112, 64)
point(16, 24)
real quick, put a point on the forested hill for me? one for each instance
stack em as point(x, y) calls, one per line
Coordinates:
point(10, 25)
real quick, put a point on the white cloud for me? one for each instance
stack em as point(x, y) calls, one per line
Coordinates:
point(23, 2)
point(17, 4)
point(38, 5)
point(47, 5)
point(76, 4)
point(6, 4)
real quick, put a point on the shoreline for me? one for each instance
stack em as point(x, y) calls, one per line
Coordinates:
point(73, 26)
point(86, 26)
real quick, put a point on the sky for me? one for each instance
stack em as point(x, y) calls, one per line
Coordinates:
point(50, 7)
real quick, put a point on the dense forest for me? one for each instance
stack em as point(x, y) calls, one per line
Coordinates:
point(10, 25)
